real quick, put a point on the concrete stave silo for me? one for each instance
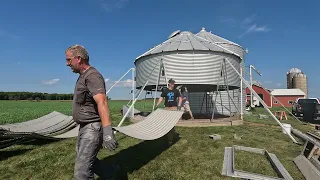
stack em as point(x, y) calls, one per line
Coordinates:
point(299, 81)
point(290, 75)
point(192, 61)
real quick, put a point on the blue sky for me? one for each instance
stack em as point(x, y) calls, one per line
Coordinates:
point(280, 35)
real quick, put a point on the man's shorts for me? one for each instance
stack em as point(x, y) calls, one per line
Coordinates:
point(186, 107)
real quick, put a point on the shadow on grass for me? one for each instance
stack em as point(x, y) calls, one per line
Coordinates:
point(132, 159)
point(5, 154)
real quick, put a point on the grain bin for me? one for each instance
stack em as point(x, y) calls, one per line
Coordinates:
point(192, 61)
point(300, 82)
point(221, 98)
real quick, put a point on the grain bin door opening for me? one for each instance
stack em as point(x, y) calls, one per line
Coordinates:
point(256, 102)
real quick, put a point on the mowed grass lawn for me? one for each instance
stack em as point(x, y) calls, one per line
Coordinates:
point(193, 156)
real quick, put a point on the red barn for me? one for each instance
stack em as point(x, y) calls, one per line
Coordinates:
point(285, 96)
point(264, 95)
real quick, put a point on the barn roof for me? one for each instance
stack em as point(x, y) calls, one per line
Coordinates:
point(287, 92)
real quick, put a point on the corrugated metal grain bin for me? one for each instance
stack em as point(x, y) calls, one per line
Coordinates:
point(195, 62)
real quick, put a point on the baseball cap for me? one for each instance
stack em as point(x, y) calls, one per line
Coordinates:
point(171, 81)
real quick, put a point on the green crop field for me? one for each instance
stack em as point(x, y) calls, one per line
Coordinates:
point(193, 156)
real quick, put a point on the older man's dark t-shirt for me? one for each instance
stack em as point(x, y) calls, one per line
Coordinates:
point(84, 107)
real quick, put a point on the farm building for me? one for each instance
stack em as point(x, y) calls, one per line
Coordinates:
point(199, 62)
point(264, 95)
point(285, 96)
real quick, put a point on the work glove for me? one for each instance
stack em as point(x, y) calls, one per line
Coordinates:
point(109, 140)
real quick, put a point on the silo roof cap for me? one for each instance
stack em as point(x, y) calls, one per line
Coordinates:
point(184, 41)
point(294, 70)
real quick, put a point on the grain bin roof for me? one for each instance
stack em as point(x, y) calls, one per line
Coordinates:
point(184, 41)
point(214, 38)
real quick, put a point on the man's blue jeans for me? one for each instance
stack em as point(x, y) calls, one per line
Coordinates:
point(88, 145)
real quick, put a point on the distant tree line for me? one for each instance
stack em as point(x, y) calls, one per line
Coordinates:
point(35, 96)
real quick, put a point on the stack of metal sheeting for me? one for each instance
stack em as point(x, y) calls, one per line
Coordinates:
point(54, 125)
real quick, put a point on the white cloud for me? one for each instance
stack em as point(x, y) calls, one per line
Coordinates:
point(278, 84)
point(51, 82)
point(250, 26)
point(124, 83)
point(110, 5)
point(249, 19)
point(255, 28)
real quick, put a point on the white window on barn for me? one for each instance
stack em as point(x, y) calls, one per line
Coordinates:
point(275, 102)
point(290, 102)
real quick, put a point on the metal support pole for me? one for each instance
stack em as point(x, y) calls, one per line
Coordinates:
point(165, 72)
point(125, 116)
point(118, 81)
point(225, 76)
point(217, 90)
point(241, 95)
point(133, 87)
point(279, 103)
point(263, 103)
point(251, 98)
point(155, 97)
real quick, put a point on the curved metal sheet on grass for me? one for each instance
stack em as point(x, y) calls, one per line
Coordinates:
point(52, 124)
point(154, 126)
point(34, 121)
point(38, 124)
point(69, 134)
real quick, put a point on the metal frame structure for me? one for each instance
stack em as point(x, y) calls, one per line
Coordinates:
point(134, 101)
point(161, 68)
point(250, 74)
point(308, 162)
point(133, 86)
point(229, 167)
point(223, 70)
point(263, 103)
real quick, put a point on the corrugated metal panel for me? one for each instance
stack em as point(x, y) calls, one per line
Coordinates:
point(194, 67)
point(202, 104)
point(53, 125)
point(49, 122)
point(214, 38)
point(156, 125)
point(198, 103)
point(222, 42)
point(69, 134)
point(236, 49)
point(222, 99)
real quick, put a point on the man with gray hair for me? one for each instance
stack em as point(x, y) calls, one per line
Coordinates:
point(90, 110)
